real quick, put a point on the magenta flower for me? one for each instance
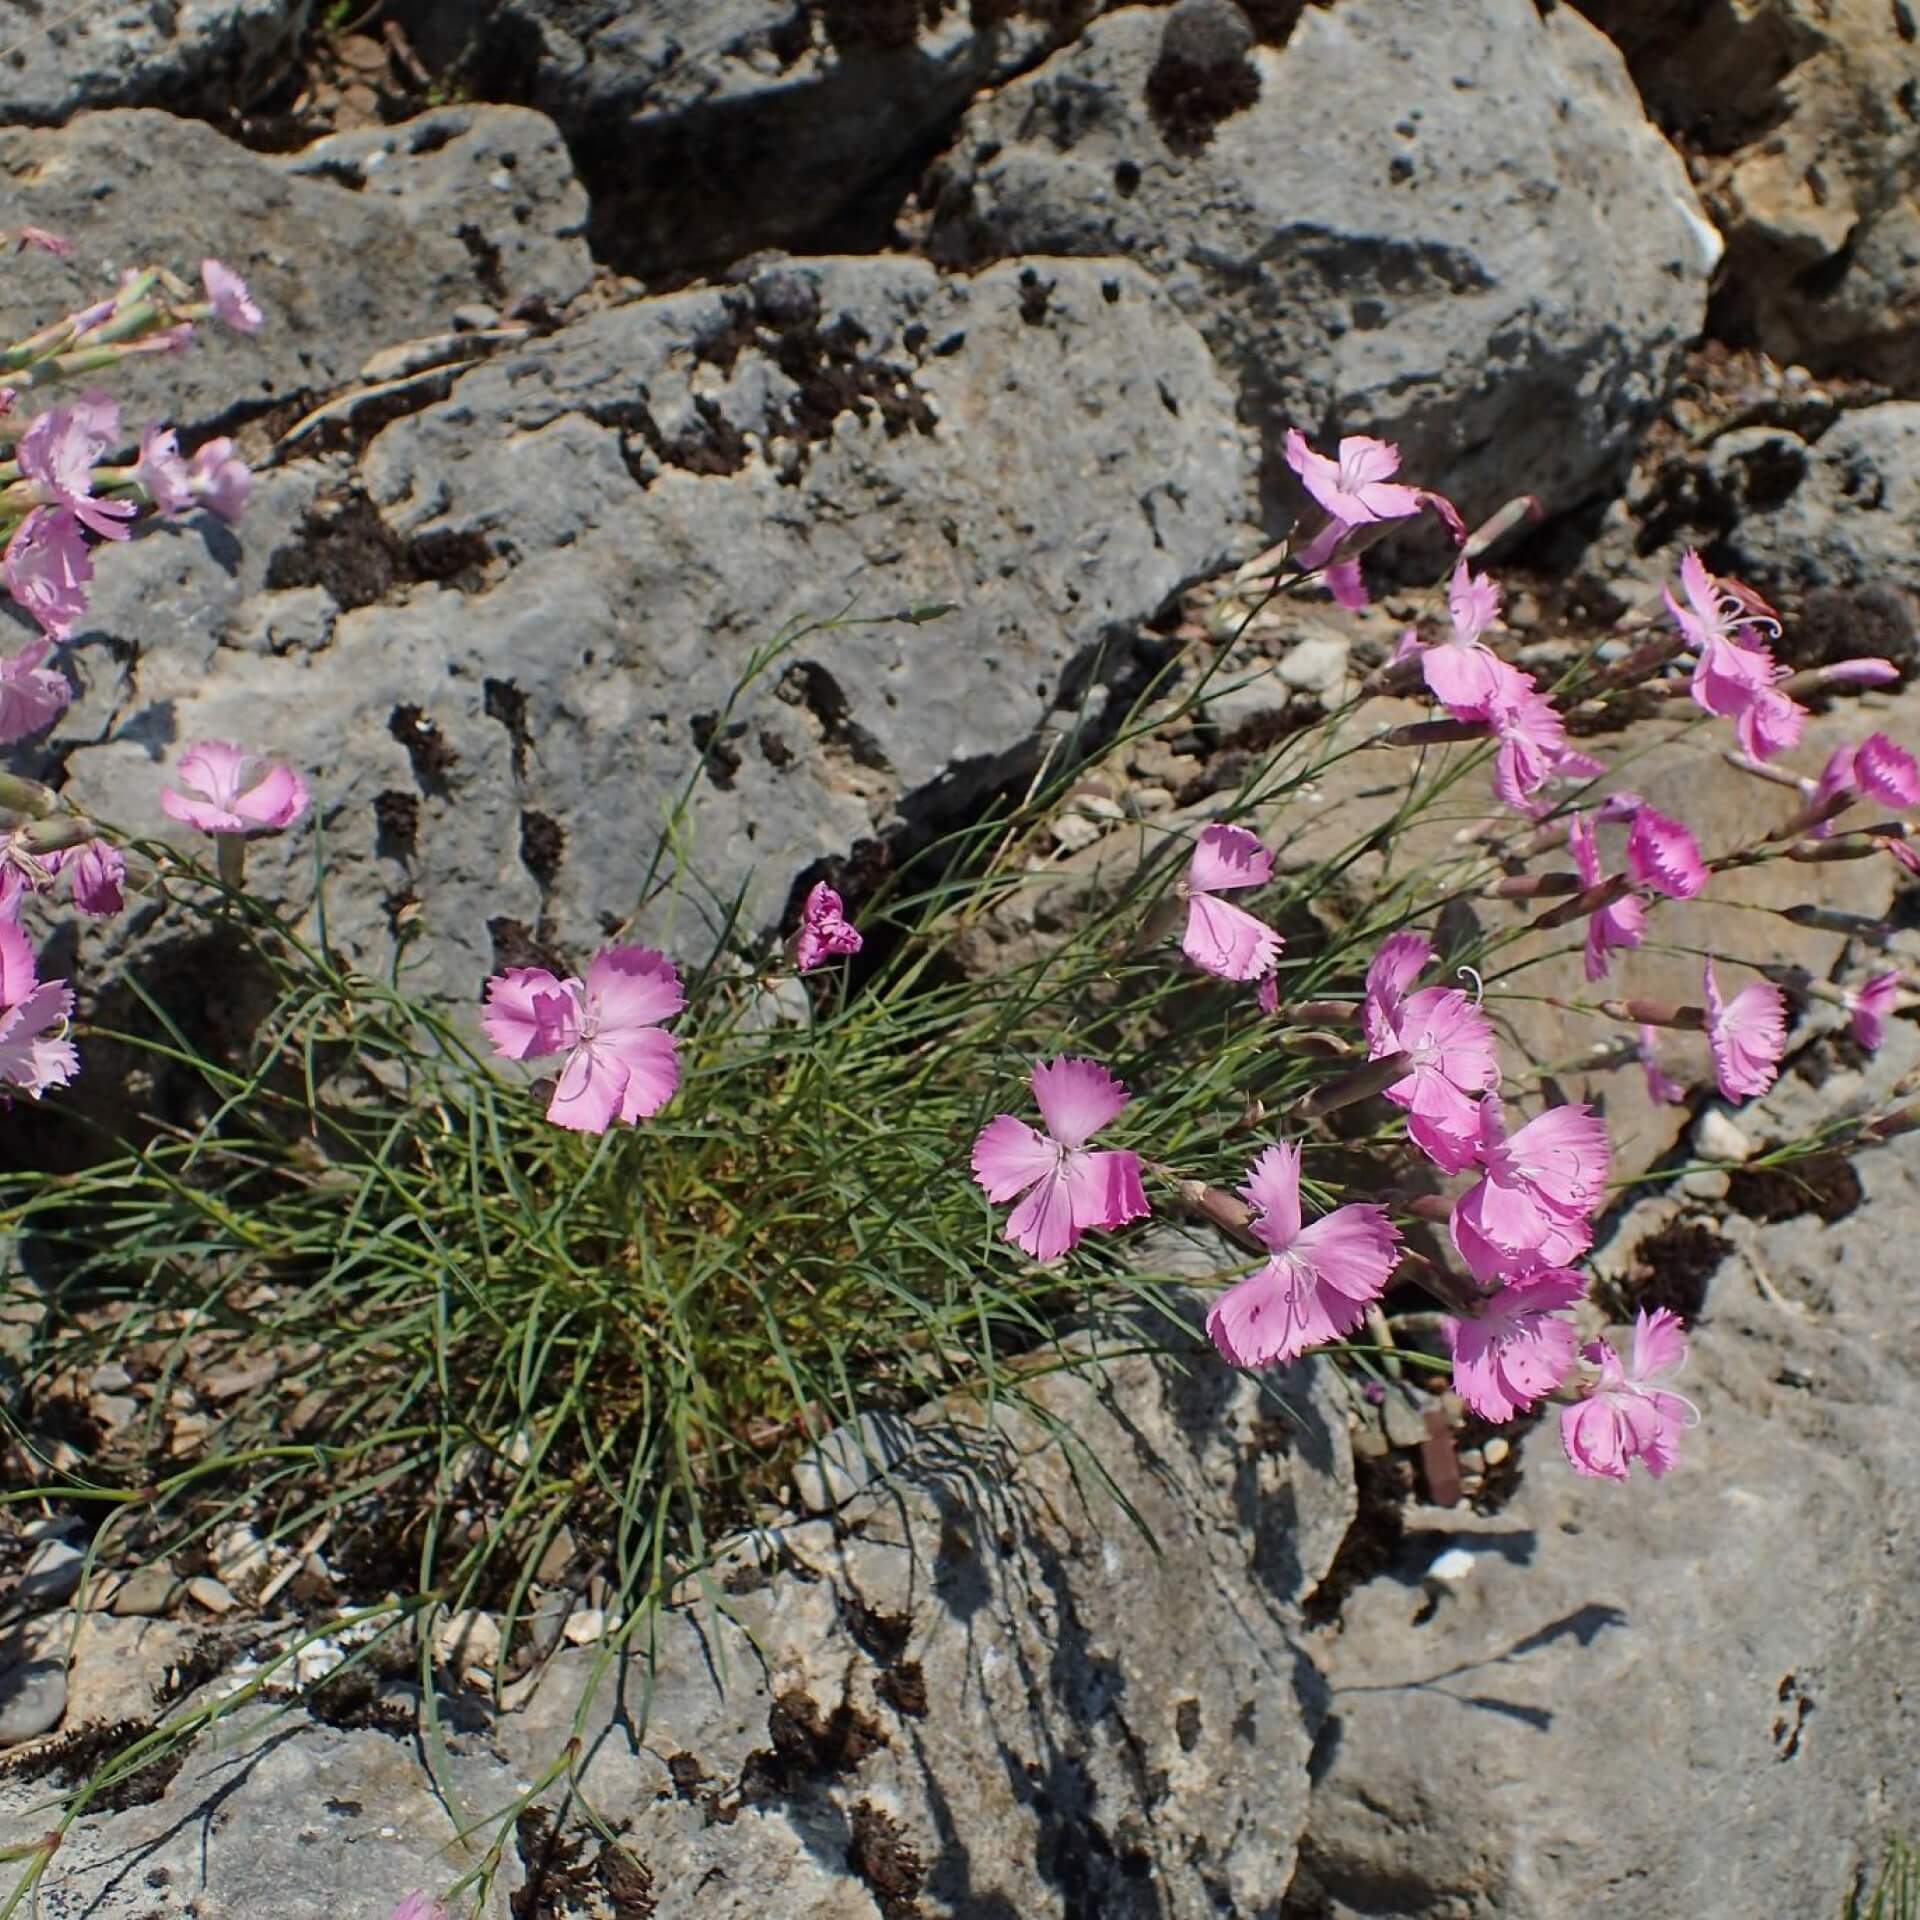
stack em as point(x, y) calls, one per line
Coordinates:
point(1452, 1061)
point(1518, 1346)
point(232, 303)
point(1770, 725)
point(824, 930)
point(1715, 606)
point(32, 694)
point(163, 473)
point(1220, 937)
point(220, 480)
point(227, 790)
point(59, 452)
point(1466, 677)
point(34, 1051)
point(1747, 1036)
point(1355, 487)
point(1268, 996)
point(1663, 855)
point(1538, 1188)
point(1877, 767)
point(1870, 1008)
point(1624, 1417)
point(1622, 923)
point(1068, 1190)
point(620, 1065)
point(1662, 1089)
point(1319, 1280)
point(47, 567)
point(1390, 973)
point(99, 869)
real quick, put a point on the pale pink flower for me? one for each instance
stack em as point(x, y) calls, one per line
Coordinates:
point(1068, 1190)
point(1662, 1089)
point(1346, 583)
point(1537, 1189)
point(227, 790)
point(219, 479)
point(1518, 1345)
point(1773, 723)
point(1747, 1036)
point(1356, 487)
point(34, 1051)
point(32, 694)
point(47, 568)
point(232, 302)
point(59, 452)
point(1532, 737)
point(620, 1065)
point(1466, 677)
point(1716, 606)
point(1625, 1417)
point(1220, 937)
point(1621, 923)
point(163, 473)
point(1390, 973)
point(99, 870)
point(824, 929)
point(23, 871)
point(1663, 855)
point(46, 242)
point(1452, 1060)
point(417, 1906)
point(1728, 677)
point(1870, 1007)
point(1319, 1280)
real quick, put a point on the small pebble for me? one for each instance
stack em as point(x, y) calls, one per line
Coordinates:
point(51, 1574)
point(112, 1378)
point(1705, 1183)
point(1716, 1137)
point(1495, 1451)
point(209, 1593)
point(33, 1696)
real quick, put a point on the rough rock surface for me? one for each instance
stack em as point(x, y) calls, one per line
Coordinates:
point(982, 1691)
point(192, 56)
point(710, 128)
point(1672, 1697)
point(503, 640)
point(1500, 273)
point(1804, 117)
point(340, 272)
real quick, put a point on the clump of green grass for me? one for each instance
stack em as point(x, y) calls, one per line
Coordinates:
point(1896, 1892)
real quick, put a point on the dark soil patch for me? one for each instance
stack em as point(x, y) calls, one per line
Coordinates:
point(882, 1857)
point(904, 1688)
point(396, 824)
point(430, 753)
point(343, 546)
point(77, 1756)
point(1672, 1267)
point(807, 1745)
point(543, 845)
point(1824, 1183)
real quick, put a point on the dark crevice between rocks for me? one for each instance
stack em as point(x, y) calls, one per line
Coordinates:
point(1673, 1266)
point(76, 1756)
point(345, 547)
point(506, 703)
point(431, 754)
point(543, 847)
point(515, 944)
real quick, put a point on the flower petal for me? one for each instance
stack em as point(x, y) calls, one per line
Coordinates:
point(1077, 1098)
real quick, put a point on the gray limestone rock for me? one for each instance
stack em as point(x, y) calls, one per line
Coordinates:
point(984, 1690)
point(191, 56)
point(339, 272)
point(1499, 269)
point(502, 643)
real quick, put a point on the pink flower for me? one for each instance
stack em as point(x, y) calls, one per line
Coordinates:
point(1068, 1190)
point(227, 790)
point(1728, 678)
point(1452, 1061)
point(34, 1052)
point(219, 479)
point(1220, 937)
point(824, 930)
point(1662, 1089)
point(1532, 737)
point(1356, 487)
point(1621, 924)
point(1389, 974)
point(1466, 677)
point(232, 302)
point(1517, 1347)
point(1319, 1281)
point(47, 568)
point(1870, 1007)
point(1716, 606)
point(32, 694)
point(620, 1065)
point(1268, 997)
point(1746, 1035)
point(1346, 583)
point(416, 1906)
point(1625, 1418)
point(47, 242)
point(1538, 1188)
point(1663, 855)
point(1877, 767)
point(1771, 725)
point(162, 472)
point(59, 452)
point(99, 868)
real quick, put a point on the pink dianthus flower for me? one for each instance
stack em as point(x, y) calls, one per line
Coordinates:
point(232, 303)
point(34, 1052)
point(1538, 1187)
point(1517, 1346)
point(1870, 1007)
point(1220, 937)
point(59, 452)
point(1747, 1036)
point(1663, 855)
point(32, 694)
point(824, 929)
point(1621, 923)
point(47, 568)
point(228, 790)
point(1624, 1416)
